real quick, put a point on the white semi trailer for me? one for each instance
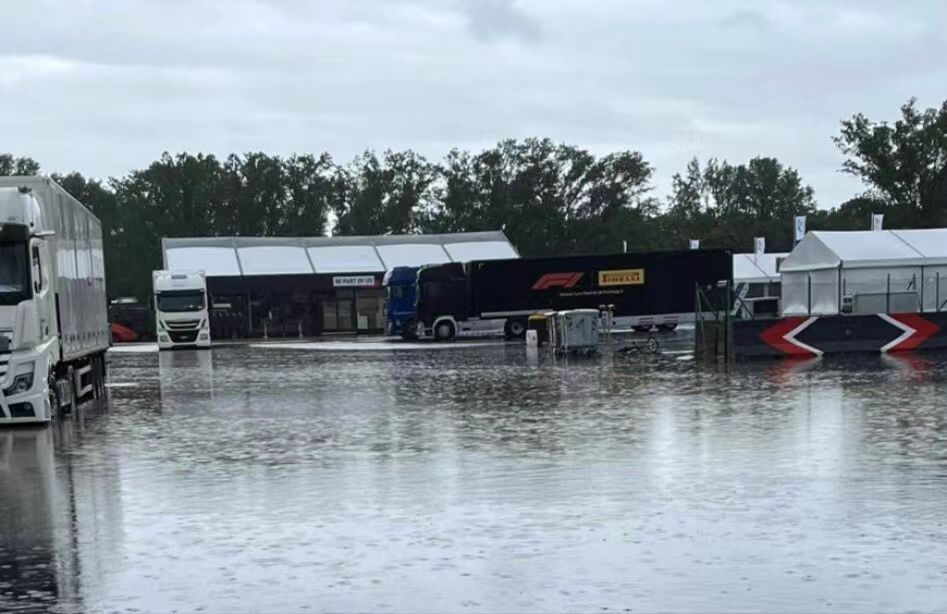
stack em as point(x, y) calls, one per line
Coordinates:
point(54, 330)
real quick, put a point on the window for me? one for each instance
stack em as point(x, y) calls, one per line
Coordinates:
point(180, 301)
point(14, 273)
point(400, 292)
point(370, 309)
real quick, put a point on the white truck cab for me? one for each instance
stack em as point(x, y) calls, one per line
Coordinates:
point(181, 314)
point(54, 330)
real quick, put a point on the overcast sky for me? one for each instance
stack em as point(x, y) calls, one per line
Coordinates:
point(104, 86)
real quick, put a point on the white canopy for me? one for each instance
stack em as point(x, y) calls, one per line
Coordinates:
point(931, 243)
point(345, 259)
point(756, 268)
point(868, 249)
point(214, 261)
point(274, 260)
point(413, 254)
point(236, 256)
point(468, 251)
point(827, 266)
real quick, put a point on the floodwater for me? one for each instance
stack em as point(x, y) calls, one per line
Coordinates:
point(279, 479)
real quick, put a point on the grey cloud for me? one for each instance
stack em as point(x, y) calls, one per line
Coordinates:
point(132, 78)
point(492, 19)
point(749, 19)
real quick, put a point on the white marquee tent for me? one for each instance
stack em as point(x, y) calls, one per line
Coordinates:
point(260, 256)
point(825, 266)
point(756, 268)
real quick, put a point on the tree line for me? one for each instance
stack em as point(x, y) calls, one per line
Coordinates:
point(549, 198)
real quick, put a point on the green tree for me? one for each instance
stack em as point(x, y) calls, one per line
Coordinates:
point(176, 196)
point(384, 196)
point(726, 206)
point(310, 190)
point(548, 198)
point(17, 166)
point(904, 165)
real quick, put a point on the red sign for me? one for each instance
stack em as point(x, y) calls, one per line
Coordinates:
point(557, 280)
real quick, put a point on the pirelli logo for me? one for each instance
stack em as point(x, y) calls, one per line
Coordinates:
point(625, 277)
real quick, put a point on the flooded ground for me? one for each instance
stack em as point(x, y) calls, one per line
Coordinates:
point(277, 479)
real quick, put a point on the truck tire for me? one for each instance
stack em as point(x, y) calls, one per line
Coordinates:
point(99, 371)
point(94, 374)
point(515, 328)
point(444, 331)
point(641, 328)
point(409, 330)
point(668, 328)
point(55, 408)
point(73, 393)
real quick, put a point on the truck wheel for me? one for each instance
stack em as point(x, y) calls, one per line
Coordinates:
point(668, 328)
point(515, 329)
point(409, 330)
point(73, 393)
point(641, 328)
point(99, 371)
point(94, 374)
point(444, 331)
point(55, 410)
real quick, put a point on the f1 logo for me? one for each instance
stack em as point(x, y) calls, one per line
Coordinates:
point(557, 280)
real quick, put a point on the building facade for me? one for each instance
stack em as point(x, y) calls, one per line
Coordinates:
point(302, 287)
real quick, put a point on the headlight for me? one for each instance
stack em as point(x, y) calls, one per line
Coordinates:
point(23, 382)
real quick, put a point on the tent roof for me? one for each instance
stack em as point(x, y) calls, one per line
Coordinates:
point(239, 256)
point(868, 249)
point(930, 242)
point(753, 268)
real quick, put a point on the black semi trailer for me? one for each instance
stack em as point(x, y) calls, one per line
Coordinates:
point(646, 289)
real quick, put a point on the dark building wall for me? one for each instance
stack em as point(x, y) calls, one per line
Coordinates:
point(294, 305)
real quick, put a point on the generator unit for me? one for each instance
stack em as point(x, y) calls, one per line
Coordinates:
point(575, 331)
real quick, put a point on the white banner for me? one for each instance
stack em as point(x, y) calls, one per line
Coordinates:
point(759, 246)
point(695, 243)
point(877, 221)
point(800, 228)
point(353, 281)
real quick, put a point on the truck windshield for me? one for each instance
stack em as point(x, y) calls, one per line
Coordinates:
point(14, 273)
point(181, 300)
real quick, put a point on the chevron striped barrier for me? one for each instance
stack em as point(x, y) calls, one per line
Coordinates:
point(813, 336)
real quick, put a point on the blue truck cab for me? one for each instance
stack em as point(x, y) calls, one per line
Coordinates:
point(401, 301)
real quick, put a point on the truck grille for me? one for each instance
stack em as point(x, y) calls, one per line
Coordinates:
point(182, 325)
point(183, 336)
point(6, 339)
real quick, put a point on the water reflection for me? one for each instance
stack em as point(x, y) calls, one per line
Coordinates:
point(60, 523)
point(473, 478)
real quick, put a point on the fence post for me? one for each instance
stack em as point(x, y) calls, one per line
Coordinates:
point(888, 295)
point(921, 293)
point(728, 326)
point(809, 293)
point(842, 287)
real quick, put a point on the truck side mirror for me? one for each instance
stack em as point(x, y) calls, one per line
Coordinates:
point(37, 270)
